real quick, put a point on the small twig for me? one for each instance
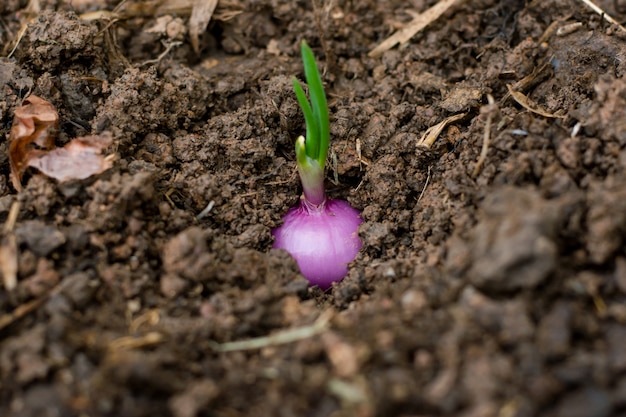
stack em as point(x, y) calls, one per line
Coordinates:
point(9, 224)
point(425, 185)
point(419, 22)
point(602, 13)
point(280, 338)
point(486, 138)
point(132, 342)
point(168, 47)
point(8, 249)
point(21, 311)
point(27, 308)
point(20, 35)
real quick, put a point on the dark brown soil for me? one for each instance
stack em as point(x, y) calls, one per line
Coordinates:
point(497, 294)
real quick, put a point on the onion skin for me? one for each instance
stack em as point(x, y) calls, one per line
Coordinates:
point(322, 238)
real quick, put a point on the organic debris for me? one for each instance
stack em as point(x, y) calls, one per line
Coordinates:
point(8, 249)
point(602, 13)
point(432, 133)
point(530, 105)
point(490, 110)
point(419, 22)
point(200, 17)
point(32, 137)
point(34, 126)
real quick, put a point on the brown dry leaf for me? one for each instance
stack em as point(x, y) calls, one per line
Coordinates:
point(32, 145)
point(79, 159)
point(34, 126)
point(432, 133)
point(530, 105)
point(201, 14)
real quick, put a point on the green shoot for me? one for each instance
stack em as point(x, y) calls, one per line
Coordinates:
point(315, 112)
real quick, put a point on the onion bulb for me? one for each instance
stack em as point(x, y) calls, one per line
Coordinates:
point(322, 238)
point(321, 234)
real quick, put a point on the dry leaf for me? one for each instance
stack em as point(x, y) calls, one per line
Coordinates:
point(79, 159)
point(35, 125)
point(201, 14)
point(530, 105)
point(32, 145)
point(432, 133)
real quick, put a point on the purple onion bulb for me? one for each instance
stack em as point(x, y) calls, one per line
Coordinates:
point(323, 239)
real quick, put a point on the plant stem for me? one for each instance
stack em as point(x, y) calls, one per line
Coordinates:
point(311, 152)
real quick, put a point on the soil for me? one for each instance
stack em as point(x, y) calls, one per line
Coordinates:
point(493, 288)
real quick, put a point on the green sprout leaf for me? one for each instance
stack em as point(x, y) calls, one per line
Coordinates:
point(311, 152)
point(315, 111)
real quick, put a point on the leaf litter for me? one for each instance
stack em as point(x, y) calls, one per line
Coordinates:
point(32, 144)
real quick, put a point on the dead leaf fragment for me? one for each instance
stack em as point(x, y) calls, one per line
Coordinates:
point(432, 133)
point(32, 137)
point(201, 14)
point(530, 105)
point(79, 159)
point(34, 127)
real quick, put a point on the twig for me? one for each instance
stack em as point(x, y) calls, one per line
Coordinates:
point(168, 47)
point(31, 11)
point(280, 338)
point(8, 249)
point(425, 185)
point(602, 13)
point(9, 225)
point(419, 22)
point(20, 35)
point(486, 138)
point(24, 309)
point(132, 342)
point(21, 311)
